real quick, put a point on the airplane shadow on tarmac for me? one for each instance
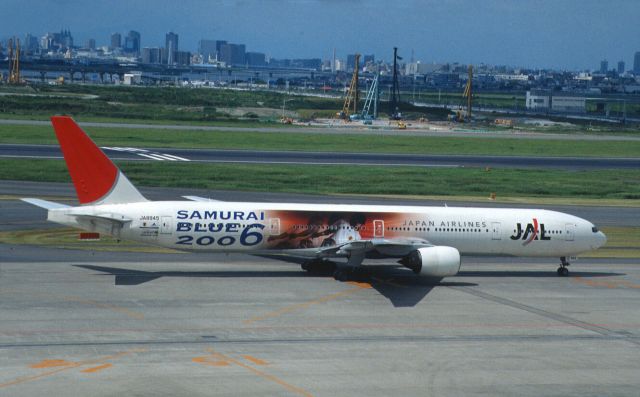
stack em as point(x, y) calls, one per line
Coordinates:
point(400, 286)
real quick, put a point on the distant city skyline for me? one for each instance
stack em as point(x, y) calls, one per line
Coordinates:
point(563, 34)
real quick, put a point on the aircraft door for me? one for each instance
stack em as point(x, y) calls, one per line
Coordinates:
point(166, 225)
point(274, 226)
point(496, 233)
point(378, 228)
point(569, 231)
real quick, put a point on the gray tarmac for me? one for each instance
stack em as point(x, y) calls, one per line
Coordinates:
point(96, 323)
point(330, 158)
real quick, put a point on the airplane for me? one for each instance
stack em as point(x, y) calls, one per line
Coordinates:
point(428, 240)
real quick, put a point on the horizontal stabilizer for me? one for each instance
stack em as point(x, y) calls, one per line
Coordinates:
point(49, 205)
point(120, 220)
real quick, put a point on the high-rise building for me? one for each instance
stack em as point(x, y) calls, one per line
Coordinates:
point(636, 63)
point(132, 43)
point(208, 49)
point(152, 55)
point(171, 47)
point(232, 54)
point(90, 44)
point(31, 44)
point(116, 41)
point(182, 57)
point(604, 66)
point(621, 67)
point(351, 62)
point(255, 58)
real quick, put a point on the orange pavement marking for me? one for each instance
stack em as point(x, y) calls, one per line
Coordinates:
point(359, 284)
point(262, 374)
point(304, 305)
point(96, 369)
point(605, 283)
point(68, 367)
point(130, 313)
point(51, 364)
point(254, 360)
point(210, 361)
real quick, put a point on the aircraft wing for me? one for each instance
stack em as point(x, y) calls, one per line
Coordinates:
point(198, 198)
point(390, 247)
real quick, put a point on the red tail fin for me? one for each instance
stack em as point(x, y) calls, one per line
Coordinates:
point(96, 179)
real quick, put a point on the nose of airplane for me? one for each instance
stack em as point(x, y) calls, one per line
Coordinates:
point(602, 239)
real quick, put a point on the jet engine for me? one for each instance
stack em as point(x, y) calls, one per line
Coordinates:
point(438, 261)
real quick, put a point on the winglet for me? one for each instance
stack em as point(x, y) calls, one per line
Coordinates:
point(96, 179)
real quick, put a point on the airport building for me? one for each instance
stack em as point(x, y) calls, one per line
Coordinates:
point(547, 102)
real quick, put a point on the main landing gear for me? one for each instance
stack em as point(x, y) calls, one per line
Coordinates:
point(319, 266)
point(343, 272)
point(562, 270)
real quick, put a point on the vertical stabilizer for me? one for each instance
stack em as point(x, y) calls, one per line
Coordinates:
point(96, 179)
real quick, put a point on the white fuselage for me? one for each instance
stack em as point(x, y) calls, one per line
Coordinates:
point(259, 227)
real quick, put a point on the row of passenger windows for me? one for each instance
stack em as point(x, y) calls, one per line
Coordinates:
point(546, 231)
point(437, 229)
point(323, 227)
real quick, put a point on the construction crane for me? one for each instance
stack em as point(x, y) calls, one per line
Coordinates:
point(351, 101)
point(468, 92)
point(460, 115)
point(394, 101)
point(14, 62)
point(372, 97)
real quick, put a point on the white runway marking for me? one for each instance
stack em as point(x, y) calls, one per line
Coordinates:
point(146, 153)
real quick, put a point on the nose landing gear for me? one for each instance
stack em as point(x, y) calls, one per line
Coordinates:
point(562, 270)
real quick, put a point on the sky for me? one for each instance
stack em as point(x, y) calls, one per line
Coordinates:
point(558, 34)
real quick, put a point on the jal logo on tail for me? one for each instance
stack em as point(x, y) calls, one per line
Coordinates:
point(533, 231)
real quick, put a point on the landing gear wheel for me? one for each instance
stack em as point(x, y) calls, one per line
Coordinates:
point(562, 270)
point(340, 275)
point(319, 266)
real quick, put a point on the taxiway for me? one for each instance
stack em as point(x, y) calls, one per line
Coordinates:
point(84, 322)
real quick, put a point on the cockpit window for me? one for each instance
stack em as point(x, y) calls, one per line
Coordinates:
point(594, 229)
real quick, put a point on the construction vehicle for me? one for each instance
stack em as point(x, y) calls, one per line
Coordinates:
point(350, 107)
point(504, 122)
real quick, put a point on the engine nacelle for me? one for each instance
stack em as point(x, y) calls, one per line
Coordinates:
point(438, 261)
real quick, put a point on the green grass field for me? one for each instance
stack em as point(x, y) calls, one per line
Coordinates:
point(108, 136)
point(417, 181)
